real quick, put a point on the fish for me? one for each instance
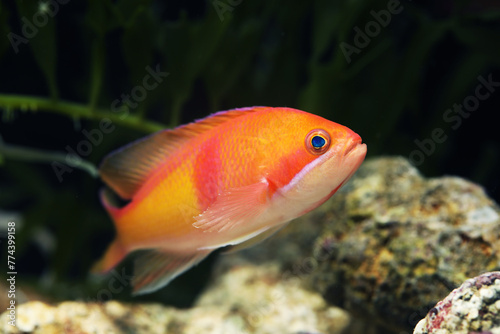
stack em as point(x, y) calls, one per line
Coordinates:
point(229, 180)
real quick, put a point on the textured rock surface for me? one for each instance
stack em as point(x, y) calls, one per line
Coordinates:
point(472, 308)
point(244, 299)
point(391, 243)
point(387, 248)
point(396, 243)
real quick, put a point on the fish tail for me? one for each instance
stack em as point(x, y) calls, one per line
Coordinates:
point(116, 252)
point(114, 255)
point(108, 201)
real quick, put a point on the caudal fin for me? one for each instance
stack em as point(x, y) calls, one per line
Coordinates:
point(114, 255)
point(109, 201)
point(115, 252)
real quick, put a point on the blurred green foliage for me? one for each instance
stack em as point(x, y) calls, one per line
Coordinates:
point(219, 54)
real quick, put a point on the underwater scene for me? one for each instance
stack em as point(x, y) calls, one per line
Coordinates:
point(250, 167)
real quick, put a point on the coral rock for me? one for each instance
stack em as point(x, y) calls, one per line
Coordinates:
point(245, 299)
point(386, 248)
point(389, 245)
point(472, 308)
point(395, 243)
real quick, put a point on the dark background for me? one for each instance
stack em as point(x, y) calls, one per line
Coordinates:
point(221, 55)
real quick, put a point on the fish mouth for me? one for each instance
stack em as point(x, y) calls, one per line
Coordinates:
point(352, 146)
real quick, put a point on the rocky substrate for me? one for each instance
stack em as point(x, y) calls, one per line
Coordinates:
point(245, 299)
point(472, 308)
point(400, 242)
point(386, 248)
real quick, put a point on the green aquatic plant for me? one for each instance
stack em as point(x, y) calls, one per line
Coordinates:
point(75, 111)
point(15, 152)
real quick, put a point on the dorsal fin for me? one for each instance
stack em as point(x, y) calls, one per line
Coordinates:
point(125, 170)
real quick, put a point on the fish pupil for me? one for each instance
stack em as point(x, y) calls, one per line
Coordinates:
point(318, 142)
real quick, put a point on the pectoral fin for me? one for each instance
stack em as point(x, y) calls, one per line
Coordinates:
point(234, 207)
point(156, 268)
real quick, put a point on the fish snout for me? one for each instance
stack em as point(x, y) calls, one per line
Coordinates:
point(354, 143)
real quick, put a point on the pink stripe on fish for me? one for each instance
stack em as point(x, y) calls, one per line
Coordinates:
point(207, 172)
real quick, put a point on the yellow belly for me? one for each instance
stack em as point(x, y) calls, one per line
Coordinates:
point(164, 211)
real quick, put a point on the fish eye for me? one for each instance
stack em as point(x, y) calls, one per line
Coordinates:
point(317, 141)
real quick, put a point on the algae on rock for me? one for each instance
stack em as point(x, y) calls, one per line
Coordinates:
point(245, 299)
point(403, 242)
point(387, 247)
point(390, 244)
point(471, 308)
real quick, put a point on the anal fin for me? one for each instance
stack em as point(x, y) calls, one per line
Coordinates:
point(155, 268)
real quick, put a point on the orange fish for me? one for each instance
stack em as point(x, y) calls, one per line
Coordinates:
point(231, 179)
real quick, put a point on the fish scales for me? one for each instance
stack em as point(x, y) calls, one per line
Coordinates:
point(231, 179)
